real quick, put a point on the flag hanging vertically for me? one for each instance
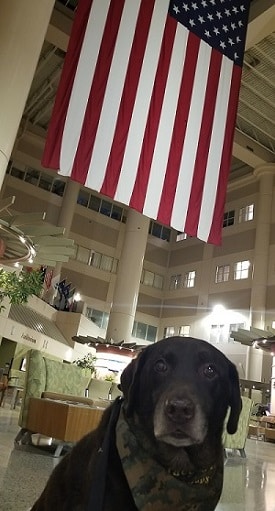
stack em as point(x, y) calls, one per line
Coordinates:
point(146, 107)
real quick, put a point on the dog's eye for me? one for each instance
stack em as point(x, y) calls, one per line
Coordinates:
point(210, 371)
point(160, 366)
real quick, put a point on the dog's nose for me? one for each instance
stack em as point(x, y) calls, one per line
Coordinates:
point(179, 409)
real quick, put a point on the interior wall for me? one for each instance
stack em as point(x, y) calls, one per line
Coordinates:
point(7, 351)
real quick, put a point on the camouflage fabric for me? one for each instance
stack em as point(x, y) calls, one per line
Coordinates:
point(153, 487)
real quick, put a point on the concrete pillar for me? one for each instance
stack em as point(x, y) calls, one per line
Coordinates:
point(23, 25)
point(272, 410)
point(64, 220)
point(265, 175)
point(205, 279)
point(69, 202)
point(126, 291)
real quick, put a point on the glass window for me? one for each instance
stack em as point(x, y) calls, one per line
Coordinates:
point(45, 182)
point(247, 213)
point(165, 233)
point(169, 331)
point(32, 177)
point(156, 230)
point(83, 198)
point(95, 259)
point(228, 218)
point(89, 312)
point(114, 266)
point(116, 213)
point(97, 317)
point(189, 279)
point(20, 174)
point(159, 231)
point(134, 331)
point(148, 278)
point(218, 333)
point(175, 281)
point(143, 331)
point(58, 187)
point(83, 255)
point(105, 320)
point(151, 333)
point(94, 203)
point(184, 330)
point(106, 263)
point(241, 270)
point(158, 281)
point(106, 208)
point(181, 236)
point(222, 273)
point(100, 318)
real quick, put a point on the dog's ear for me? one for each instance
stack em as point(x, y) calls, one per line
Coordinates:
point(129, 382)
point(235, 401)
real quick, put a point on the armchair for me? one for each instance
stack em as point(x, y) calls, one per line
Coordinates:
point(238, 440)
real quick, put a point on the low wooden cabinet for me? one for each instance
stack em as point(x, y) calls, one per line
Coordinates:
point(268, 422)
point(62, 420)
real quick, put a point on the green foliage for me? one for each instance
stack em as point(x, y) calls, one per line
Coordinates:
point(87, 362)
point(19, 287)
point(109, 377)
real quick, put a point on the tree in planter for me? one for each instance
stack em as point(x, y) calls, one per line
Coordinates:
point(19, 287)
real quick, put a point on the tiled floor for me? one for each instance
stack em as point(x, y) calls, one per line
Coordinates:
point(249, 483)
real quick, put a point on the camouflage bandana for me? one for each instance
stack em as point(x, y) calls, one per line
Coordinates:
point(153, 487)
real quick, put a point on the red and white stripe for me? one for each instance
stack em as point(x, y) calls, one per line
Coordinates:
point(145, 114)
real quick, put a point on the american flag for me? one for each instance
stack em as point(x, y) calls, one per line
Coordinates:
point(146, 106)
point(47, 276)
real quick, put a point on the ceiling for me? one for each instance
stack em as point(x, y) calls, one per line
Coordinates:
point(254, 142)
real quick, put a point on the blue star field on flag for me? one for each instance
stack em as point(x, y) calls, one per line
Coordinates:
point(220, 23)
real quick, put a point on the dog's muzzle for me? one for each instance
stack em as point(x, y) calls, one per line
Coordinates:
point(179, 420)
point(179, 410)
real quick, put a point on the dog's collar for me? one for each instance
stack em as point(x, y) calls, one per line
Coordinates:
point(202, 476)
point(156, 489)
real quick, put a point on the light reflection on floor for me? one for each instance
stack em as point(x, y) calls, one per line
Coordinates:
point(249, 484)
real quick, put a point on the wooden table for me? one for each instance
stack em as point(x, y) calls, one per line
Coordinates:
point(62, 420)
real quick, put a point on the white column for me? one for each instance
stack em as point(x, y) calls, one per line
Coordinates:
point(126, 291)
point(272, 410)
point(65, 219)
point(69, 202)
point(23, 26)
point(265, 175)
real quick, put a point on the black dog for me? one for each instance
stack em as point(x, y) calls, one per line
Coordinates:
point(159, 448)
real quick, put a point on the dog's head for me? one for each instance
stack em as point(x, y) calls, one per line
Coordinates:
point(180, 390)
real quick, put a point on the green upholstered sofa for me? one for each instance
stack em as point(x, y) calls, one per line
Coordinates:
point(238, 440)
point(52, 379)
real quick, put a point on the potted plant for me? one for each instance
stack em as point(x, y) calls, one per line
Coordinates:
point(87, 363)
point(109, 377)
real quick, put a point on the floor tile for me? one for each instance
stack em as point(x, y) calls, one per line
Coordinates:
point(249, 484)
